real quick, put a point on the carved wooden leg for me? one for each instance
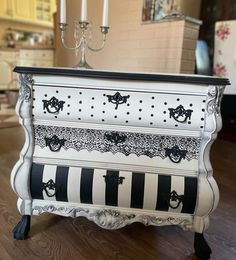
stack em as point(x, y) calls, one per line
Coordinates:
point(21, 230)
point(202, 249)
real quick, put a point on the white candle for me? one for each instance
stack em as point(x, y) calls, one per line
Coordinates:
point(83, 17)
point(63, 11)
point(105, 13)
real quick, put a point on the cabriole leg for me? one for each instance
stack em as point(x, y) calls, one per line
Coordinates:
point(202, 249)
point(22, 229)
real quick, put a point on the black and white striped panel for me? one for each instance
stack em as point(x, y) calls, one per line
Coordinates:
point(114, 188)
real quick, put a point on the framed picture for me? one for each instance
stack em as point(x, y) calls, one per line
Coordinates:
point(155, 10)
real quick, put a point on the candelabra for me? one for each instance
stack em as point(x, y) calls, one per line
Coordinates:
point(82, 41)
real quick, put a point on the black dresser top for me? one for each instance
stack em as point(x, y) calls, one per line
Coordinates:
point(177, 78)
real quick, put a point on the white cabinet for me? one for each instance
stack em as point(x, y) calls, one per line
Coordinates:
point(36, 58)
point(30, 11)
point(8, 60)
point(23, 10)
point(44, 10)
point(24, 57)
point(5, 9)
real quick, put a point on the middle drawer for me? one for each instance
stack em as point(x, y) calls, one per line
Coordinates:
point(113, 147)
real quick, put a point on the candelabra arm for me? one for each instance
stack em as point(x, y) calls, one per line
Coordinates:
point(68, 47)
point(104, 31)
point(100, 48)
point(81, 40)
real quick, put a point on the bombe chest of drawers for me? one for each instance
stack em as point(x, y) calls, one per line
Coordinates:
point(118, 148)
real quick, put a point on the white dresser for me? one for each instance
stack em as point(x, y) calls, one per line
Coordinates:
point(118, 148)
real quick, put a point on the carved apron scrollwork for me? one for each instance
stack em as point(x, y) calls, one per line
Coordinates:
point(114, 219)
point(215, 95)
point(26, 83)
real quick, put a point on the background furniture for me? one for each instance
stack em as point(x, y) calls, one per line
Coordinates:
point(213, 11)
point(97, 146)
point(9, 58)
point(225, 53)
point(30, 11)
point(225, 66)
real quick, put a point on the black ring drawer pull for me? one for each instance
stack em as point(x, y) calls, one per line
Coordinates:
point(117, 99)
point(115, 137)
point(53, 106)
point(175, 199)
point(175, 154)
point(48, 187)
point(54, 143)
point(180, 114)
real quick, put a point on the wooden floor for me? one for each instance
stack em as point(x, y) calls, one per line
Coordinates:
point(55, 237)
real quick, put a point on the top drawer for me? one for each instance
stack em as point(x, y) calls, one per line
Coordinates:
point(129, 108)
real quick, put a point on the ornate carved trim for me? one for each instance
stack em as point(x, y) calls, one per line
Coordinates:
point(150, 145)
point(26, 83)
point(114, 219)
point(65, 211)
point(219, 98)
point(111, 219)
point(215, 95)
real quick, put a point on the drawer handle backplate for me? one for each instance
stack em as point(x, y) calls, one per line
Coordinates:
point(175, 154)
point(180, 114)
point(115, 137)
point(117, 99)
point(50, 188)
point(175, 199)
point(113, 179)
point(53, 106)
point(54, 143)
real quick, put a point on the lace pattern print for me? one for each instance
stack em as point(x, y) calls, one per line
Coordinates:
point(127, 143)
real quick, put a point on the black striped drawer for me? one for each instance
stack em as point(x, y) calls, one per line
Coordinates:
point(114, 188)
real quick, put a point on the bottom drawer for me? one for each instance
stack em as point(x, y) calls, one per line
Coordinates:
point(114, 188)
